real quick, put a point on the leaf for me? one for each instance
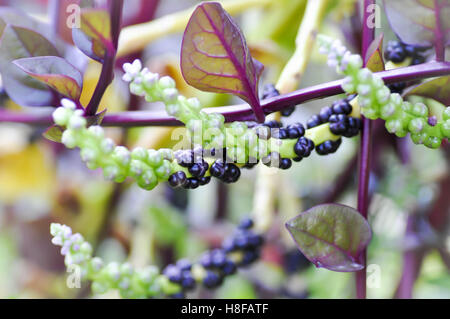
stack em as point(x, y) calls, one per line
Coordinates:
point(374, 57)
point(54, 133)
point(437, 89)
point(18, 18)
point(17, 43)
point(331, 236)
point(215, 56)
point(56, 72)
point(420, 22)
point(93, 37)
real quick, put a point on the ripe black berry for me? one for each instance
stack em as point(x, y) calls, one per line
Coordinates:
point(288, 111)
point(328, 147)
point(397, 87)
point(342, 107)
point(269, 91)
point(304, 147)
point(173, 273)
point(395, 52)
point(204, 180)
point(232, 173)
point(198, 169)
point(217, 169)
point(229, 268)
point(246, 223)
point(177, 179)
point(325, 114)
point(285, 164)
point(212, 280)
point(314, 121)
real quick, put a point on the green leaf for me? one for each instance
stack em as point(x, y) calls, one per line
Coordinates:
point(331, 236)
point(94, 36)
point(54, 133)
point(215, 57)
point(374, 57)
point(56, 72)
point(438, 89)
point(17, 43)
point(420, 22)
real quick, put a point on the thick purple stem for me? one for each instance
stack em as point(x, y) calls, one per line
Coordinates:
point(243, 112)
point(364, 155)
point(439, 41)
point(107, 74)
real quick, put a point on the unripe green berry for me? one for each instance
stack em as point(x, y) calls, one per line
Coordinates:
point(107, 146)
point(387, 111)
point(419, 138)
point(416, 125)
point(173, 109)
point(69, 139)
point(154, 158)
point(148, 180)
point(61, 116)
point(164, 171)
point(77, 123)
point(446, 128)
point(99, 288)
point(383, 95)
point(97, 131)
point(137, 89)
point(394, 125)
point(170, 95)
point(370, 113)
point(166, 82)
point(122, 155)
point(137, 167)
point(139, 153)
point(433, 142)
point(111, 172)
point(446, 114)
point(88, 154)
point(363, 89)
point(420, 109)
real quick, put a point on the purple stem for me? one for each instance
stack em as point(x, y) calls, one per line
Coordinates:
point(439, 41)
point(243, 112)
point(107, 74)
point(364, 157)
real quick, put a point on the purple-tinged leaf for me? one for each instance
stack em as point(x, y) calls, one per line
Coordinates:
point(56, 72)
point(215, 56)
point(96, 119)
point(17, 43)
point(438, 89)
point(331, 236)
point(420, 22)
point(93, 37)
point(374, 57)
point(18, 18)
point(54, 133)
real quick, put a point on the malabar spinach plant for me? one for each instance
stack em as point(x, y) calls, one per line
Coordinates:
point(37, 71)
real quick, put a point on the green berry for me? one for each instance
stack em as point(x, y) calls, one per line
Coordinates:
point(446, 114)
point(416, 125)
point(446, 128)
point(420, 109)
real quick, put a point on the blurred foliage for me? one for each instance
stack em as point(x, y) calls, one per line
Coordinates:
point(40, 183)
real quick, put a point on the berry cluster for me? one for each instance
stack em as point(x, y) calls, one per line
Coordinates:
point(398, 52)
point(240, 250)
point(131, 283)
point(376, 100)
point(340, 121)
point(220, 155)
